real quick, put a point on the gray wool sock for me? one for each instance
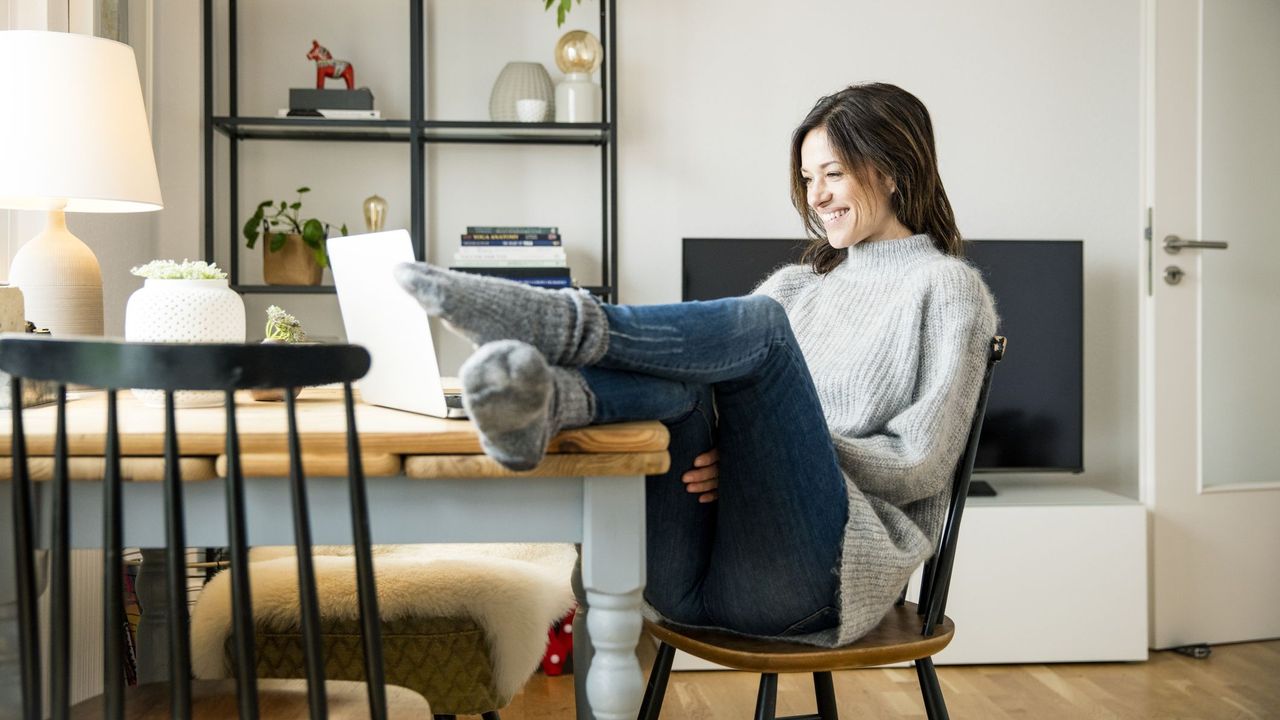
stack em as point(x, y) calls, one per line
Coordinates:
point(518, 402)
point(567, 326)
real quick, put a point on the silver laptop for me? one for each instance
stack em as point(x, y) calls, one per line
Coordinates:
point(390, 324)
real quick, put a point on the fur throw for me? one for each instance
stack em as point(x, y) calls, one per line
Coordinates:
point(513, 591)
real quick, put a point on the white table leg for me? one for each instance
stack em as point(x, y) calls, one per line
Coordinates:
point(613, 567)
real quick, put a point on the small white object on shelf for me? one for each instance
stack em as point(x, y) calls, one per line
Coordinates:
point(531, 110)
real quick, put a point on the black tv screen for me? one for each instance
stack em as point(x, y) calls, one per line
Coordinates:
point(1035, 414)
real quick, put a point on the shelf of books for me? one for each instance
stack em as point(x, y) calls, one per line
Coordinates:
point(345, 113)
point(531, 255)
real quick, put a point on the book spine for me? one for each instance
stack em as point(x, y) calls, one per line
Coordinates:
point(469, 242)
point(511, 236)
point(516, 272)
point(487, 262)
point(546, 282)
point(500, 230)
point(518, 251)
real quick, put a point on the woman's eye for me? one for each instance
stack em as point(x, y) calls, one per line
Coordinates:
point(834, 174)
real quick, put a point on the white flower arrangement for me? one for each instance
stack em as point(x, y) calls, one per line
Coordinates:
point(185, 270)
point(283, 327)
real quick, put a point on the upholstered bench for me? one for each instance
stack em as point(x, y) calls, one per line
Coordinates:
point(462, 625)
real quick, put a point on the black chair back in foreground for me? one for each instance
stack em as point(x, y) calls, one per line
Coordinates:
point(171, 368)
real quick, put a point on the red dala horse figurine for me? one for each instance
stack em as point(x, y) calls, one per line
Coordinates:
point(327, 67)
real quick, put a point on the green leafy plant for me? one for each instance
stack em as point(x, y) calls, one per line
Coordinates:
point(283, 327)
point(562, 9)
point(275, 222)
point(185, 270)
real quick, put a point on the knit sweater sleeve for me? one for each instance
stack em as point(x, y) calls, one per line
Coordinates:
point(785, 283)
point(913, 455)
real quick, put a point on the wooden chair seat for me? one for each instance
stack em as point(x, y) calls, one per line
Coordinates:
point(216, 700)
point(896, 639)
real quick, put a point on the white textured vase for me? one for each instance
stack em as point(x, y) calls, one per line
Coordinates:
point(184, 311)
point(521, 81)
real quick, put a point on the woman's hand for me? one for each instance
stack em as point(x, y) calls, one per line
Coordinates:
point(704, 478)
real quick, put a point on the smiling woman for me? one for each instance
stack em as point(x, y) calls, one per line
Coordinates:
point(860, 370)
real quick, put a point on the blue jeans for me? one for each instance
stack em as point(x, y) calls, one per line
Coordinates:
point(763, 558)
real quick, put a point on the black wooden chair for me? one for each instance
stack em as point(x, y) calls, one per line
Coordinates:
point(909, 632)
point(170, 368)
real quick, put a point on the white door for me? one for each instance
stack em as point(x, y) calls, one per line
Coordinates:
point(1211, 342)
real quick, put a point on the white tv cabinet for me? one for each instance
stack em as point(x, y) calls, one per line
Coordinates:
point(1044, 572)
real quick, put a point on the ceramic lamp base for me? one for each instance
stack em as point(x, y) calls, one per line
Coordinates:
point(60, 279)
point(577, 99)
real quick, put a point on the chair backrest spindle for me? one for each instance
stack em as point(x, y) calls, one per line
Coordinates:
point(25, 546)
point(241, 602)
point(113, 619)
point(309, 602)
point(369, 615)
point(60, 572)
point(176, 569)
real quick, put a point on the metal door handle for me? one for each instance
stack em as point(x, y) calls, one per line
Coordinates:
point(1174, 244)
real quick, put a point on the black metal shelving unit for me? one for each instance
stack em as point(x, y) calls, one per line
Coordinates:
point(417, 132)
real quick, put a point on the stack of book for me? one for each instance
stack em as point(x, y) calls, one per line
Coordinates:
point(530, 255)
point(340, 104)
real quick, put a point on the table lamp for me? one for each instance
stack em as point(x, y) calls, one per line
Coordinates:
point(578, 54)
point(73, 138)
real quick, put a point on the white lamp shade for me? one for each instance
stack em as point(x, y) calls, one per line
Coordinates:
point(73, 128)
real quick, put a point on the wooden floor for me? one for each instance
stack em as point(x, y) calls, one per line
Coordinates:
point(1236, 681)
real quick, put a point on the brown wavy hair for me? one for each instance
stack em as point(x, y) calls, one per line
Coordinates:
point(878, 127)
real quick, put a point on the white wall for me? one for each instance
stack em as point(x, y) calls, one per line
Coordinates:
point(1035, 104)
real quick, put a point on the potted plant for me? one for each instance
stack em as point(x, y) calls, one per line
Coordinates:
point(186, 302)
point(281, 328)
point(293, 250)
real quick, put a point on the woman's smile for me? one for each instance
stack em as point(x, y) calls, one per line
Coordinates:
point(830, 218)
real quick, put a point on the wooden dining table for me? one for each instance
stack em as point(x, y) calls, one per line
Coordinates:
point(428, 481)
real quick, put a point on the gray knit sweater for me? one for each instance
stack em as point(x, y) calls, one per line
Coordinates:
point(896, 339)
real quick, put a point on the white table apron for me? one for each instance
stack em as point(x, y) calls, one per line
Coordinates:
point(604, 514)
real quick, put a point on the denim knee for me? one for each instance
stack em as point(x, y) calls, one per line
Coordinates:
point(767, 314)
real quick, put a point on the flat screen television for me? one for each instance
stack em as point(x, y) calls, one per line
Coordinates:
point(1035, 414)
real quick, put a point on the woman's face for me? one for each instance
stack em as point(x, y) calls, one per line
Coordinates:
point(850, 212)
